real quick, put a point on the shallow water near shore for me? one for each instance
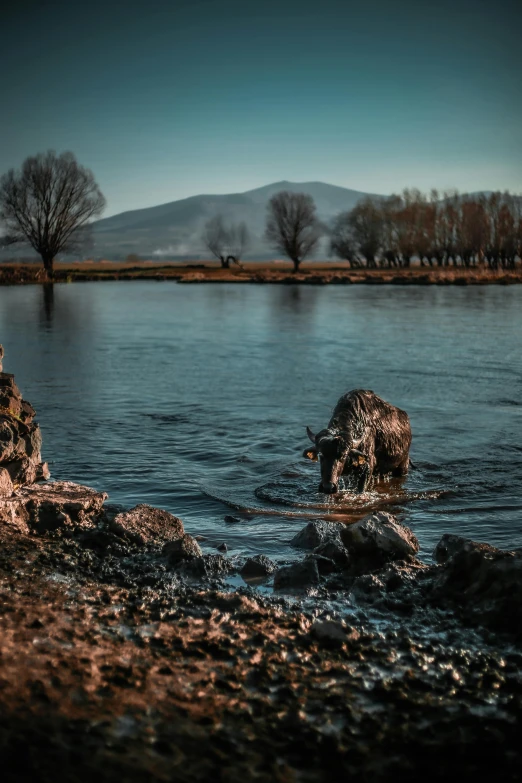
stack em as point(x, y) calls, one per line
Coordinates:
point(195, 399)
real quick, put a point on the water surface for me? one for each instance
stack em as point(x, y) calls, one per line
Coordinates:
point(195, 399)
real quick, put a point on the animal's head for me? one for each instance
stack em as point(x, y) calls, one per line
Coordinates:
point(332, 449)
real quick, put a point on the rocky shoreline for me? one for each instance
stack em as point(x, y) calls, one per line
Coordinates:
point(129, 651)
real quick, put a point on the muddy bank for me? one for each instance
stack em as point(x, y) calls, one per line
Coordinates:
point(115, 663)
point(129, 650)
point(266, 273)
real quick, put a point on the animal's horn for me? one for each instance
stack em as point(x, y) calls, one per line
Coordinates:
point(310, 434)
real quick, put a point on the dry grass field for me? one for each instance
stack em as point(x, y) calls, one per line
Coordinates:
point(311, 273)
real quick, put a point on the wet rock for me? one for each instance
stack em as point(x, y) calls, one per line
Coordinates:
point(222, 547)
point(324, 564)
point(368, 585)
point(146, 524)
point(297, 576)
point(184, 548)
point(336, 551)
point(231, 520)
point(316, 533)
point(205, 567)
point(378, 538)
point(60, 504)
point(405, 573)
point(450, 545)
point(329, 630)
point(102, 541)
point(485, 582)
point(257, 567)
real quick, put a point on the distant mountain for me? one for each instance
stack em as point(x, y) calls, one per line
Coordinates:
point(174, 229)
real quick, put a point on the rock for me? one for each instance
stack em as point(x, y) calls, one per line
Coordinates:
point(42, 472)
point(205, 567)
point(20, 439)
point(329, 630)
point(146, 524)
point(257, 567)
point(297, 576)
point(183, 548)
point(222, 547)
point(27, 413)
point(42, 508)
point(1, 356)
point(6, 485)
point(324, 564)
point(102, 542)
point(231, 520)
point(368, 585)
point(336, 551)
point(484, 582)
point(450, 545)
point(25, 471)
point(379, 537)
point(316, 533)
point(405, 573)
point(10, 397)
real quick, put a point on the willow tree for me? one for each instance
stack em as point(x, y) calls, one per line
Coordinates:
point(292, 226)
point(227, 243)
point(49, 203)
point(366, 221)
point(342, 241)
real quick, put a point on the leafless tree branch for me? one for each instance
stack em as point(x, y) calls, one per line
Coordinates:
point(292, 225)
point(49, 204)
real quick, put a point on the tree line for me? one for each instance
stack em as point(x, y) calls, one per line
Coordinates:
point(50, 202)
point(439, 230)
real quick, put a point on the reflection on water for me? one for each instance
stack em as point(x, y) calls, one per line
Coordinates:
point(196, 398)
point(48, 302)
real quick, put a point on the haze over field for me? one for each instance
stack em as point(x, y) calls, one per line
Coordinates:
point(175, 229)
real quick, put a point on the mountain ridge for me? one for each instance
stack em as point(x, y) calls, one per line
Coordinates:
point(174, 229)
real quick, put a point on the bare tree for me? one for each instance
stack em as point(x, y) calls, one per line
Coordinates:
point(49, 203)
point(342, 241)
point(215, 238)
point(292, 226)
point(6, 240)
point(390, 249)
point(450, 228)
point(227, 243)
point(473, 230)
point(366, 220)
point(238, 242)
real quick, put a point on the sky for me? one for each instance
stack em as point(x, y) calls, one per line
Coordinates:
point(166, 99)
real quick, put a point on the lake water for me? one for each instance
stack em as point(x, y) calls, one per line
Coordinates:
point(195, 398)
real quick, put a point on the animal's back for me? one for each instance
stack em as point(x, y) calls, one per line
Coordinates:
point(362, 405)
point(385, 429)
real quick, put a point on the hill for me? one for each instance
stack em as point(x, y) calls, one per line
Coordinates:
point(174, 229)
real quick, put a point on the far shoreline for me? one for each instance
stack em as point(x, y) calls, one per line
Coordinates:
point(269, 272)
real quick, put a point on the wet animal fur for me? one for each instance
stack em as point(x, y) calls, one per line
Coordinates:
point(366, 436)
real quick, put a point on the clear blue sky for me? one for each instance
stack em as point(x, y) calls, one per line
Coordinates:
point(164, 100)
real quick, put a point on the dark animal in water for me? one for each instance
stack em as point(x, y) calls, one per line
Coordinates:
point(366, 436)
